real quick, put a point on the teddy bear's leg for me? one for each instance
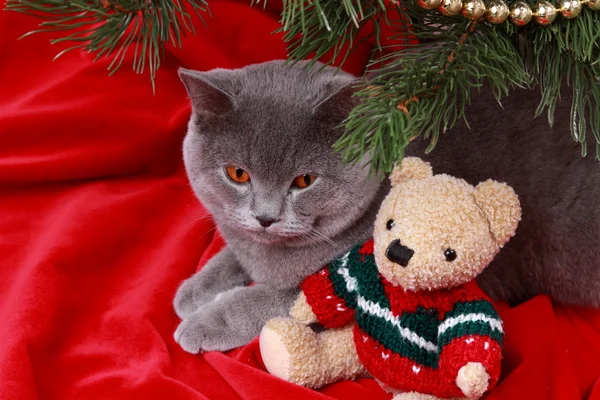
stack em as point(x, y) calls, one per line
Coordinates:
point(292, 351)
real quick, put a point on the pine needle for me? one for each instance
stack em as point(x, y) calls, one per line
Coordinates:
point(424, 89)
point(108, 28)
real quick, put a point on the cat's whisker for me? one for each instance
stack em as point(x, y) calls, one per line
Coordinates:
point(320, 235)
point(208, 231)
point(307, 236)
point(204, 217)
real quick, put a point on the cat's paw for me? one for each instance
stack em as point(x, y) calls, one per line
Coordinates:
point(233, 318)
point(208, 330)
point(184, 302)
point(190, 296)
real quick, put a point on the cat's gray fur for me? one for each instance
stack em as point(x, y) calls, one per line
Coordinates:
point(279, 122)
point(276, 123)
point(556, 249)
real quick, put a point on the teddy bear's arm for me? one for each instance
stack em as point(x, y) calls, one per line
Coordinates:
point(471, 333)
point(473, 380)
point(302, 311)
point(329, 298)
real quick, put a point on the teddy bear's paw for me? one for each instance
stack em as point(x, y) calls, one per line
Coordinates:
point(290, 351)
point(473, 380)
point(302, 311)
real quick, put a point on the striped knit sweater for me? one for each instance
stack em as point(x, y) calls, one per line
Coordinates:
point(411, 341)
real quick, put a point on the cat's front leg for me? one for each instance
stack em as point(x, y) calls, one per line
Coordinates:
point(234, 319)
point(221, 273)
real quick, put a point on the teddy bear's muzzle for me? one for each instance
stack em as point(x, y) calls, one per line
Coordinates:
point(399, 254)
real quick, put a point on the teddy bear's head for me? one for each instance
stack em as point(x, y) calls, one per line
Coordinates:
point(437, 231)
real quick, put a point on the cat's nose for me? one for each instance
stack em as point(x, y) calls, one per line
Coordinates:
point(266, 222)
point(399, 254)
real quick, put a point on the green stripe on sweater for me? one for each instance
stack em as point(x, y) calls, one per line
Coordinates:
point(423, 322)
point(473, 307)
point(340, 285)
point(470, 328)
point(369, 280)
point(389, 336)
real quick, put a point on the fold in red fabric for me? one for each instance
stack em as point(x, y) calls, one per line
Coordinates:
point(98, 227)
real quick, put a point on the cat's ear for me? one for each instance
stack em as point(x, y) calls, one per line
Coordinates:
point(339, 100)
point(207, 90)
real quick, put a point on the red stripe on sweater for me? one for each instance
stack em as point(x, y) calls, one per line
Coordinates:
point(330, 309)
point(367, 249)
point(402, 301)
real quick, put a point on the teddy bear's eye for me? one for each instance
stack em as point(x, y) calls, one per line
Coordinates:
point(450, 254)
point(389, 224)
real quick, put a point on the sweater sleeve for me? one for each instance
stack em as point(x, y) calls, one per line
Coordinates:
point(471, 331)
point(331, 293)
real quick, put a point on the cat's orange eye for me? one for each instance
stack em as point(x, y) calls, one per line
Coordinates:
point(304, 181)
point(237, 174)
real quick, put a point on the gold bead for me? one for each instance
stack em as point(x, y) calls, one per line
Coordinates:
point(451, 7)
point(429, 4)
point(497, 11)
point(520, 13)
point(569, 8)
point(544, 13)
point(593, 4)
point(473, 9)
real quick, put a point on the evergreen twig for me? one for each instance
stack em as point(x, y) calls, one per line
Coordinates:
point(315, 27)
point(420, 90)
point(424, 89)
point(112, 27)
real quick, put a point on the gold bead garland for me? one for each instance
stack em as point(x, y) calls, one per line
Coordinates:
point(519, 13)
point(429, 4)
point(473, 9)
point(570, 8)
point(545, 13)
point(497, 12)
point(453, 7)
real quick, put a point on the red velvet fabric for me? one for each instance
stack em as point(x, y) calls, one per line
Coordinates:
point(98, 227)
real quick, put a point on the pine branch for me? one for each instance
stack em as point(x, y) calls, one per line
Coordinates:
point(315, 27)
point(558, 57)
point(111, 27)
point(424, 89)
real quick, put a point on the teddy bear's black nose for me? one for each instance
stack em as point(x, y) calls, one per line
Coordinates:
point(399, 254)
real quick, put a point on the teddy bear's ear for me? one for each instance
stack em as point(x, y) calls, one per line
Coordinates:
point(411, 168)
point(502, 208)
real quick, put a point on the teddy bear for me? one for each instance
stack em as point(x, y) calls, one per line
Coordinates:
point(404, 307)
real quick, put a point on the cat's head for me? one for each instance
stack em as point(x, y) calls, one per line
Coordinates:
point(259, 154)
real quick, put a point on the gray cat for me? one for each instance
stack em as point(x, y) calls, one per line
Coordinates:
point(258, 155)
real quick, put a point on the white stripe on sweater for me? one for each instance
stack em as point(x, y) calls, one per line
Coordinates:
point(461, 319)
point(382, 312)
point(351, 283)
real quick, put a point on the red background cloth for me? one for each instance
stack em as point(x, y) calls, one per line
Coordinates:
point(98, 227)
